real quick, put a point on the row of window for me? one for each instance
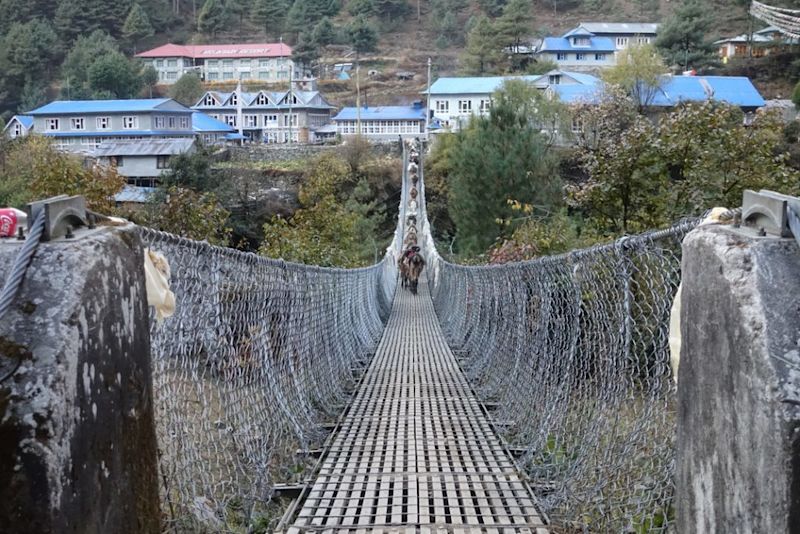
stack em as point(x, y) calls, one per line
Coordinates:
point(580, 56)
point(215, 63)
point(261, 75)
point(624, 41)
point(162, 162)
point(253, 121)
point(464, 106)
point(102, 123)
point(380, 127)
point(170, 122)
point(94, 142)
point(233, 100)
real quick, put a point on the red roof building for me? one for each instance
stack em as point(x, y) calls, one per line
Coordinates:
point(263, 62)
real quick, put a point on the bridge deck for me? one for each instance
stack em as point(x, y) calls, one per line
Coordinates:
point(415, 452)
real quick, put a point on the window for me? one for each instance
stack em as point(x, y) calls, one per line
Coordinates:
point(103, 123)
point(117, 161)
point(580, 57)
point(270, 120)
point(208, 100)
point(644, 40)
point(554, 79)
point(227, 63)
point(582, 41)
point(262, 100)
point(185, 123)
point(283, 75)
point(286, 120)
point(53, 124)
point(130, 123)
point(230, 120)
point(561, 56)
point(172, 63)
point(622, 42)
point(173, 122)
point(172, 75)
point(577, 125)
point(227, 75)
point(263, 75)
point(233, 100)
point(263, 63)
point(17, 130)
point(159, 63)
point(485, 106)
point(159, 122)
point(212, 76)
point(600, 57)
point(465, 106)
point(442, 106)
point(77, 123)
point(212, 63)
point(251, 121)
point(162, 162)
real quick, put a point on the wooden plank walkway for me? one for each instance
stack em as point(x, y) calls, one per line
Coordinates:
point(415, 453)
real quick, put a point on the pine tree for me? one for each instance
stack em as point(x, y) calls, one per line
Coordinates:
point(362, 35)
point(448, 30)
point(306, 51)
point(481, 53)
point(323, 33)
point(297, 18)
point(389, 10)
point(270, 15)
point(682, 38)
point(211, 18)
point(515, 23)
point(150, 79)
point(114, 75)
point(137, 26)
point(187, 90)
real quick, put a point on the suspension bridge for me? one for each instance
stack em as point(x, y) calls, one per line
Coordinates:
point(529, 398)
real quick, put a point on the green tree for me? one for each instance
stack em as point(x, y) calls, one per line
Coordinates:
point(84, 52)
point(187, 213)
point(323, 33)
point(137, 26)
point(323, 231)
point(482, 53)
point(115, 75)
point(187, 90)
point(363, 36)
point(796, 95)
point(190, 170)
point(391, 10)
point(306, 51)
point(639, 72)
point(492, 8)
point(449, 30)
point(212, 17)
point(297, 18)
point(515, 23)
point(361, 7)
point(34, 94)
point(270, 15)
point(497, 158)
point(28, 51)
point(682, 38)
point(45, 171)
point(238, 9)
point(149, 78)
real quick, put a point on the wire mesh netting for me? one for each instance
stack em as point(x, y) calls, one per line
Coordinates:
point(258, 355)
point(573, 350)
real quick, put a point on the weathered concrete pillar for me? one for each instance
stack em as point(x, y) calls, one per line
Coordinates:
point(77, 441)
point(738, 461)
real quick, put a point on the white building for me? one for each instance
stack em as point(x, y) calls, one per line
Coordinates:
point(262, 62)
point(382, 122)
point(18, 126)
point(142, 162)
point(593, 46)
point(270, 117)
point(763, 43)
point(455, 99)
point(622, 34)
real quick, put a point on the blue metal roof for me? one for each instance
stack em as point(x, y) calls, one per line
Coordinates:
point(382, 113)
point(735, 90)
point(560, 44)
point(474, 85)
point(131, 193)
point(63, 107)
point(581, 78)
point(202, 123)
point(579, 31)
point(24, 120)
point(576, 94)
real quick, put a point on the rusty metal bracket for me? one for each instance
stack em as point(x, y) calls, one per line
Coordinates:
point(62, 215)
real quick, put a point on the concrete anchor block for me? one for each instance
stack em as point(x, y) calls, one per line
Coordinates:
point(77, 440)
point(738, 442)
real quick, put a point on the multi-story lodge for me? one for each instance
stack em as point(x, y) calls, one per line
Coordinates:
point(382, 122)
point(594, 45)
point(262, 62)
point(269, 117)
point(454, 100)
point(81, 125)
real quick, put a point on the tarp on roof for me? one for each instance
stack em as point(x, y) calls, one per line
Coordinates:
point(202, 123)
point(213, 51)
point(735, 90)
point(560, 44)
point(623, 28)
point(64, 107)
point(382, 113)
point(144, 147)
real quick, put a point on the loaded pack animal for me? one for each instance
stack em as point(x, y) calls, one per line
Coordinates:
point(410, 265)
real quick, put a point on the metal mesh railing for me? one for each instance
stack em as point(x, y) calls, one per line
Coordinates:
point(259, 353)
point(573, 351)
